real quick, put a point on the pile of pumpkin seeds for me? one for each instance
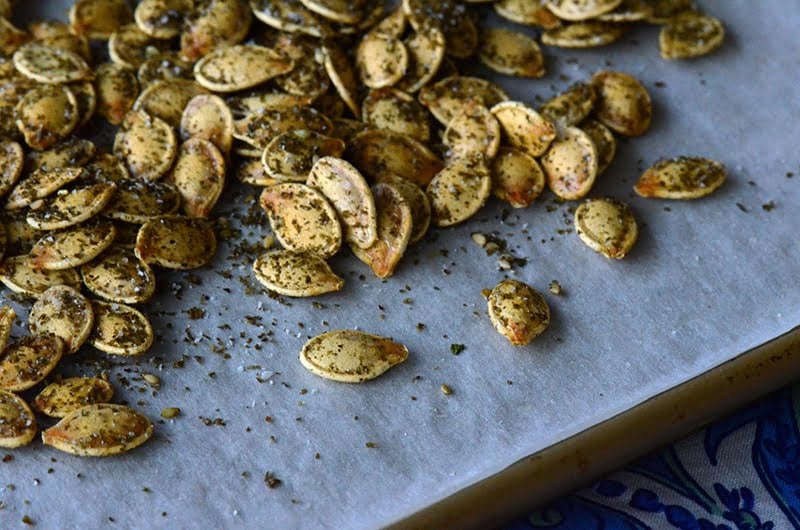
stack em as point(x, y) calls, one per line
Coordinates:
point(352, 118)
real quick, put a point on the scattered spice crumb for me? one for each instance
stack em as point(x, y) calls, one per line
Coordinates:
point(768, 207)
point(271, 480)
point(455, 349)
point(371, 445)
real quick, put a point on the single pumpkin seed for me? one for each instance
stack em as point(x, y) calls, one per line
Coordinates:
point(147, 144)
point(120, 329)
point(48, 64)
point(417, 201)
point(296, 273)
point(176, 242)
point(11, 37)
point(426, 49)
point(71, 207)
point(118, 275)
point(7, 316)
point(258, 130)
point(74, 246)
point(395, 110)
point(199, 175)
point(690, 35)
point(623, 103)
point(308, 78)
point(130, 47)
point(12, 160)
point(254, 103)
point(117, 90)
point(459, 190)
point(167, 99)
point(40, 184)
point(102, 429)
point(581, 9)
point(517, 177)
point(60, 398)
point(302, 218)
point(252, 172)
point(604, 141)
point(17, 422)
point(474, 131)
point(681, 178)
point(629, 11)
point(347, 129)
point(380, 61)
point(65, 313)
point(290, 16)
point(518, 312)
point(86, 98)
point(342, 11)
point(570, 164)
point(98, 19)
point(291, 155)
point(529, 12)
point(446, 98)
point(73, 152)
point(511, 53)
point(19, 235)
point(524, 128)
point(572, 106)
point(138, 201)
point(164, 66)
point(589, 34)
point(217, 23)
point(162, 19)
point(664, 11)
point(377, 151)
point(105, 167)
point(19, 275)
point(393, 25)
point(28, 360)
point(351, 356)
point(606, 226)
point(238, 67)
point(46, 115)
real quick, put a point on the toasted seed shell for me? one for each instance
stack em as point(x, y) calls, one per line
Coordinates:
point(98, 19)
point(120, 329)
point(167, 99)
point(604, 141)
point(162, 19)
point(459, 191)
point(40, 184)
point(426, 49)
point(19, 275)
point(417, 201)
point(302, 218)
point(395, 225)
point(289, 15)
point(681, 178)
point(446, 98)
point(291, 155)
point(351, 356)
point(258, 130)
point(138, 201)
point(199, 175)
point(60, 398)
point(511, 53)
point(11, 37)
point(394, 110)
point(517, 177)
point(474, 131)
point(524, 128)
point(117, 90)
point(623, 103)
point(629, 11)
point(7, 316)
point(342, 74)
point(380, 61)
point(86, 99)
point(208, 117)
point(377, 151)
point(296, 273)
point(12, 160)
point(217, 23)
point(572, 106)
point(64, 312)
point(118, 275)
point(239, 67)
point(166, 66)
point(71, 153)
point(46, 115)
point(349, 194)
point(664, 11)
point(606, 226)
point(254, 103)
point(590, 34)
point(27, 361)
point(690, 35)
point(534, 13)
point(102, 429)
point(341, 11)
point(581, 9)
point(17, 422)
point(176, 242)
point(129, 46)
point(71, 207)
point(570, 164)
point(252, 172)
point(105, 167)
point(48, 64)
point(74, 246)
point(19, 235)
point(518, 312)
point(147, 145)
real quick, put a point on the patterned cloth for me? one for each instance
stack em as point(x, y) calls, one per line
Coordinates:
point(741, 472)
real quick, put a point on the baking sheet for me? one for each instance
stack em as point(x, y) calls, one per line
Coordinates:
point(706, 281)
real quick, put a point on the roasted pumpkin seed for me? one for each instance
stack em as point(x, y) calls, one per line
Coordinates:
point(99, 430)
point(426, 49)
point(138, 201)
point(393, 25)
point(690, 35)
point(302, 218)
point(86, 98)
point(474, 131)
point(342, 74)
point(48, 64)
point(238, 67)
point(446, 98)
point(71, 207)
point(27, 361)
point(296, 273)
point(19, 235)
point(120, 329)
point(417, 201)
point(168, 99)
point(606, 226)
point(118, 275)
point(351, 356)
point(581, 9)
point(623, 103)
point(252, 172)
point(289, 15)
point(253, 103)
point(258, 130)
point(98, 19)
point(74, 246)
point(162, 19)
point(629, 11)
point(604, 141)
point(12, 160)
point(46, 115)
point(65, 313)
point(11, 37)
point(40, 184)
point(19, 274)
point(165, 66)
point(395, 110)
point(570, 164)
point(199, 175)
point(342, 11)
point(529, 12)
point(459, 190)
point(7, 316)
point(664, 11)
point(681, 178)
point(377, 151)
point(72, 152)
point(105, 167)
point(63, 397)
point(572, 106)
point(17, 422)
point(517, 177)
point(291, 155)
point(523, 127)
point(130, 47)
point(511, 53)
point(176, 242)
point(147, 145)
point(518, 311)
point(117, 90)
point(214, 24)
point(589, 34)
point(380, 61)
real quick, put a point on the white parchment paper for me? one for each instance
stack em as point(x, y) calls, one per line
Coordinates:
point(705, 282)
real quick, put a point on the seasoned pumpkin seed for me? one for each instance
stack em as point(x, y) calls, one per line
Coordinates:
point(349, 194)
point(518, 311)
point(12, 160)
point(120, 329)
point(147, 145)
point(258, 130)
point(253, 103)
point(19, 275)
point(681, 178)
point(377, 151)
point(99, 430)
point(459, 190)
point(117, 90)
point(690, 35)
point(176, 242)
point(473, 131)
point(302, 218)
point(118, 275)
point(529, 12)
point(165, 66)
point(162, 19)
point(17, 422)
point(393, 25)
point(7, 316)
point(347, 129)
point(395, 225)
point(73, 152)
point(199, 175)
point(511, 53)
point(342, 74)
point(214, 24)
point(581, 9)
point(664, 11)
point(589, 34)
point(48, 64)
point(606, 226)
point(380, 61)
point(629, 11)
point(572, 106)
point(417, 201)
point(167, 99)
point(289, 15)
point(27, 361)
point(70, 207)
point(63, 397)
point(604, 141)
point(64, 312)
point(523, 127)
point(39, 184)
point(252, 172)
point(426, 49)
point(517, 177)
point(74, 246)
point(46, 115)
point(241, 66)
point(623, 103)
point(98, 19)
point(86, 99)
point(296, 273)
point(342, 11)
point(395, 110)
point(19, 235)
point(105, 167)
point(291, 155)
point(570, 164)
point(138, 201)
point(351, 356)
point(130, 47)
point(446, 98)
point(11, 37)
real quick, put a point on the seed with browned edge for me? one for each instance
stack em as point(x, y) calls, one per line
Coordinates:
point(65, 396)
point(64, 312)
point(351, 356)
point(120, 329)
point(28, 360)
point(623, 103)
point(606, 226)
point(102, 429)
point(518, 312)
point(176, 242)
point(459, 191)
point(119, 276)
point(296, 273)
point(17, 422)
point(681, 178)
